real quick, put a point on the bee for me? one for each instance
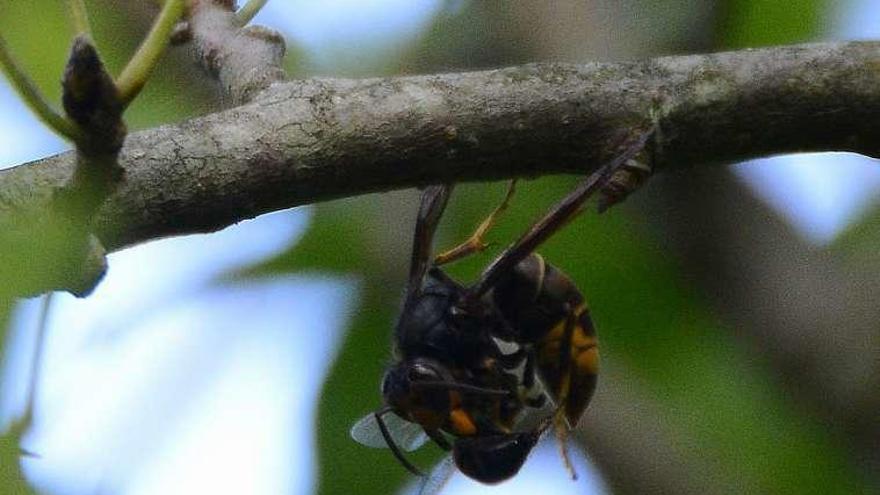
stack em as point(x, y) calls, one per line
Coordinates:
point(451, 381)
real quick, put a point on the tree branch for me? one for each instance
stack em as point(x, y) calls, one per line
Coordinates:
point(313, 140)
point(245, 60)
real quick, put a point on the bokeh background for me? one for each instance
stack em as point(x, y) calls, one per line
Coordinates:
point(736, 306)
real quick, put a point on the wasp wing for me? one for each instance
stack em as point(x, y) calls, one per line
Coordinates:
point(408, 436)
point(562, 213)
point(434, 200)
point(435, 482)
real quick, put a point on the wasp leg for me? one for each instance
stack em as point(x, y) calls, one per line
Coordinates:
point(559, 215)
point(439, 439)
point(476, 243)
point(562, 440)
point(565, 356)
point(559, 418)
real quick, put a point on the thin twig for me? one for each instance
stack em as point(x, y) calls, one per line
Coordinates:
point(80, 17)
point(135, 74)
point(250, 9)
point(37, 360)
point(32, 97)
point(245, 61)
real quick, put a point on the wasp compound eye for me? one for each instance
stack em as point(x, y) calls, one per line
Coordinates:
point(420, 372)
point(395, 385)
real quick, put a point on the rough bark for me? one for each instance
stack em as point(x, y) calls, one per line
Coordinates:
point(305, 141)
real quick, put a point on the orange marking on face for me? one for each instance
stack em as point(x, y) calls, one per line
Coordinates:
point(461, 423)
point(427, 418)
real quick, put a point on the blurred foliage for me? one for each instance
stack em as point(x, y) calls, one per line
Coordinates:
point(858, 243)
point(752, 23)
point(12, 480)
point(470, 35)
point(39, 34)
point(43, 61)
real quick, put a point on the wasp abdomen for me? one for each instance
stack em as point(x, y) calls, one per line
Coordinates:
point(546, 310)
point(571, 383)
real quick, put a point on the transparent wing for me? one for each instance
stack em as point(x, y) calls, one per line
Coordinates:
point(440, 475)
point(408, 436)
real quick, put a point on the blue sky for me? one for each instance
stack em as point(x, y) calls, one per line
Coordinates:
point(820, 194)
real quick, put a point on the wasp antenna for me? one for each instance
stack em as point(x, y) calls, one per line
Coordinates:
point(393, 445)
point(461, 387)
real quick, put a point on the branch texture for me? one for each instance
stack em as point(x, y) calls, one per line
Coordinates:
point(299, 142)
point(245, 60)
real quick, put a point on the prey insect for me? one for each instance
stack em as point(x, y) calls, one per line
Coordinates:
point(451, 382)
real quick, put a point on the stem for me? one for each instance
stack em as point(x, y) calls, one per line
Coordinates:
point(138, 70)
point(80, 17)
point(37, 360)
point(250, 9)
point(32, 97)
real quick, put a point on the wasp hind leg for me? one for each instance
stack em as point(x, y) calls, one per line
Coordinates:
point(560, 420)
point(476, 242)
point(439, 439)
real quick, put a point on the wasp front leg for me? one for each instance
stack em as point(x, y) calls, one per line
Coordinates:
point(476, 242)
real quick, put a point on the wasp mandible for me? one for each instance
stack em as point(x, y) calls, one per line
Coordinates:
point(450, 380)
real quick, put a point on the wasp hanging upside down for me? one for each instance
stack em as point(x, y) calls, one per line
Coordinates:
point(451, 381)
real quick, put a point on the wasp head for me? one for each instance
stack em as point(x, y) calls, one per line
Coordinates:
point(414, 390)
